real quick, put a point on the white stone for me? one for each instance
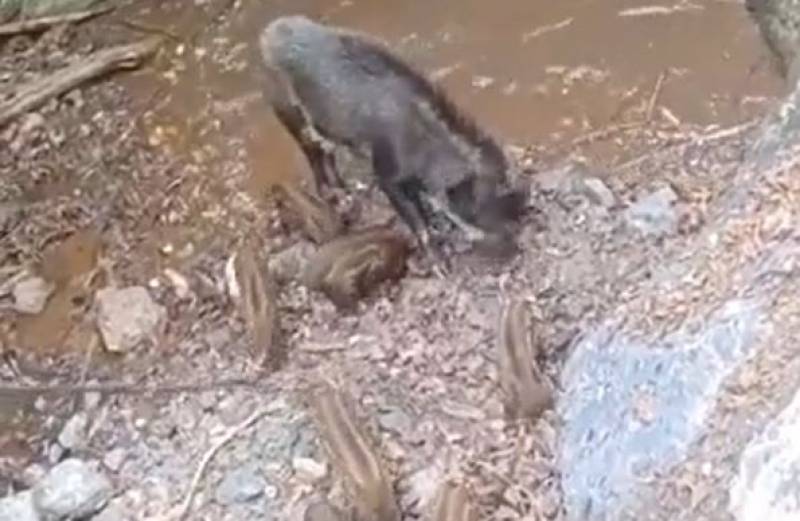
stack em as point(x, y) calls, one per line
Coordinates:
point(71, 490)
point(127, 316)
point(31, 294)
point(767, 486)
point(309, 470)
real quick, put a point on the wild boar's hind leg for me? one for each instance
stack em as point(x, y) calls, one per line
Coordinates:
point(321, 161)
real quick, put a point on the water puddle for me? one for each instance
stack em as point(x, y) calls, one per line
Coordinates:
point(530, 71)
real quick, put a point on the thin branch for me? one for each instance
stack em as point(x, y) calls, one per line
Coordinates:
point(654, 98)
point(37, 92)
point(198, 475)
point(44, 23)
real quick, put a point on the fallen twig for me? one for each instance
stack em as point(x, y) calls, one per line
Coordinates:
point(198, 475)
point(44, 23)
point(652, 10)
point(150, 29)
point(692, 140)
point(654, 98)
point(37, 92)
point(539, 31)
point(603, 133)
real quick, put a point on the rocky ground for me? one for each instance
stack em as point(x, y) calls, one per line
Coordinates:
point(663, 295)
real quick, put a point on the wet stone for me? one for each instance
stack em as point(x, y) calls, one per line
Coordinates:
point(115, 458)
point(597, 192)
point(18, 507)
point(127, 316)
point(241, 485)
point(73, 434)
point(31, 294)
point(767, 486)
point(395, 420)
point(71, 490)
point(653, 214)
point(310, 470)
point(630, 410)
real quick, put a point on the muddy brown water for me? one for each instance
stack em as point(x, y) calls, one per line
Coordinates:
point(530, 71)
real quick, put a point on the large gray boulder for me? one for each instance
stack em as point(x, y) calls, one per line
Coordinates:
point(669, 406)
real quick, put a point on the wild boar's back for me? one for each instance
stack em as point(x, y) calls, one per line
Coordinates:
point(354, 88)
point(346, 95)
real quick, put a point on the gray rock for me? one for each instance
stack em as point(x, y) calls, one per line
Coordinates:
point(71, 490)
point(115, 458)
point(768, 483)
point(597, 191)
point(424, 484)
point(18, 507)
point(127, 316)
point(632, 409)
point(54, 453)
point(558, 179)
point(92, 400)
point(31, 294)
point(395, 420)
point(309, 470)
point(241, 485)
point(653, 214)
point(73, 435)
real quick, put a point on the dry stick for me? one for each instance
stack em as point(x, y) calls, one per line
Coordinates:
point(198, 475)
point(151, 29)
point(37, 92)
point(699, 140)
point(654, 98)
point(41, 24)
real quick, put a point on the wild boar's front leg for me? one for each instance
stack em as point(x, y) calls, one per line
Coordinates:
point(404, 197)
point(320, 160)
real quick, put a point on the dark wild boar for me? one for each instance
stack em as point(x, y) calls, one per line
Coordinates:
point(333, 87)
